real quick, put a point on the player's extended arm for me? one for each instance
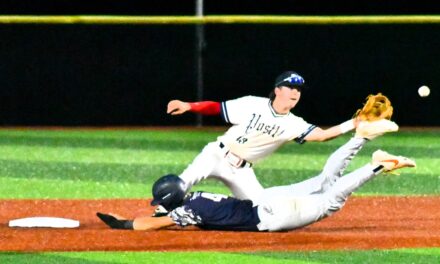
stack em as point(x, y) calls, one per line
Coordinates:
point(139, 223)
point(177, 107)
point(151, 223)
point(319, 134)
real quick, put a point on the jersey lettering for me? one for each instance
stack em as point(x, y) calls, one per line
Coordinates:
point(251, 125)
point(255, 123)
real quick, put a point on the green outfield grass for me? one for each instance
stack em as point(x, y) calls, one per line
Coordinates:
point(422, 256)
point(87, 164)
point(124, 164)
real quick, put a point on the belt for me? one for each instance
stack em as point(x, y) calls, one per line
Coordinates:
point(233, 159)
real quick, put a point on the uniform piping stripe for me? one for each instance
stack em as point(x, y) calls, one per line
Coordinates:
point(300, 139)
point(225, 113)
point(275, 113)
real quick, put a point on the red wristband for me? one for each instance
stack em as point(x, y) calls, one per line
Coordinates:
point(205, 107)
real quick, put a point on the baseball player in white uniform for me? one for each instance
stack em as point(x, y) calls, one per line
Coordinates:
point(306, 202)
point(300, 204)
point(259, 127)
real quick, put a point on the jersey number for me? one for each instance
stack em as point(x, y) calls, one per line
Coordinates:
point(241, 140)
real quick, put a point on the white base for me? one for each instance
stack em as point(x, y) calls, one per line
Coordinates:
point(42, 221)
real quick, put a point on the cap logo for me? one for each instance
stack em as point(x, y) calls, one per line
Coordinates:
point(294, 79)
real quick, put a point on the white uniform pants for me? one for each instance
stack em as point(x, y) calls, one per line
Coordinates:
point(297, 205)
point(210, 163)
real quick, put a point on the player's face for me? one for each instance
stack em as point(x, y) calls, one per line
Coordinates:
point(287, 97)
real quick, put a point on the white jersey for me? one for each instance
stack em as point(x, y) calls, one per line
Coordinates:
point(257, 129)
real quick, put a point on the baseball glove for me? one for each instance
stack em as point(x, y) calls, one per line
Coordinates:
point(375, 108)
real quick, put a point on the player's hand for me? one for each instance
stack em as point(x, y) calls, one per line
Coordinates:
point(113, 222)
point(177, 107)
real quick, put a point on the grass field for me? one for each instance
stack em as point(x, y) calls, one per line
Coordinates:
point(87, 164)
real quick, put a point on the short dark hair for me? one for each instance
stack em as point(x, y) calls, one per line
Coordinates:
point(272, 95)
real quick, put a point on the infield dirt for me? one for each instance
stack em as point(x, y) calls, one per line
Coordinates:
point(364, 223)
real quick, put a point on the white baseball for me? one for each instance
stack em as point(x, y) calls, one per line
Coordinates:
point(424, 91)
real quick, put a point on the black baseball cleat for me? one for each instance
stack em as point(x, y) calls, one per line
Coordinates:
point(160, 211)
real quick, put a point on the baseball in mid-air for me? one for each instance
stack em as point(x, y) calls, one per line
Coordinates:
point(424, 91)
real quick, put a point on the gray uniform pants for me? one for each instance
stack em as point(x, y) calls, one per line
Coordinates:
point(300, 204)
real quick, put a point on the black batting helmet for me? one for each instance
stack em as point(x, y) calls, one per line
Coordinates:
point(168, 191)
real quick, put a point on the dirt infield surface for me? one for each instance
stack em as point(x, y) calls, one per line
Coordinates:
point(364, 223)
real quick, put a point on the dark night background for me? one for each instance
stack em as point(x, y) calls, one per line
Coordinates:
point(110, 75)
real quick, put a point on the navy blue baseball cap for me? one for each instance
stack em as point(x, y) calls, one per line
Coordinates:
point(290, 79)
